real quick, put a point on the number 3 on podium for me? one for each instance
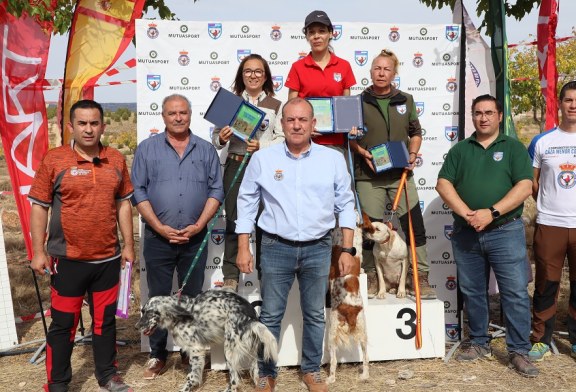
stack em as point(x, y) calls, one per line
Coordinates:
point(409, 322)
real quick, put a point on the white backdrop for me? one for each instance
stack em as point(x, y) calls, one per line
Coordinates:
point(196, 58)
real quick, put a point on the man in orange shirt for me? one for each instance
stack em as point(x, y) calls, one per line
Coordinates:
point(87, 188)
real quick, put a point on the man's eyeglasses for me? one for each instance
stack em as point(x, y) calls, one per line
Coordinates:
point(257, 72)
point(488, 114)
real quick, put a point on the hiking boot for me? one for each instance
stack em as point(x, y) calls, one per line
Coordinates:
point(538, 352)
point(154, 368)
point(426, 292)
point(372, 284)
point(522, 365)
point(265, 384)
point(314, 383)
point(472, 351)
point(116, 384)
point(230, 285)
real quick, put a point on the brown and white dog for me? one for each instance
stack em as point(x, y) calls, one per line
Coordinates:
point(347, 320)
point(390, 256)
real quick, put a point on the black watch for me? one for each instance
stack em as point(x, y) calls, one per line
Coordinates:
point(351, 250)
point(495, 212)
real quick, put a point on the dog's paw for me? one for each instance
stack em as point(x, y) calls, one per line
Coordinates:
point(401, 294)
point(392, 291)
point(381, 295)
point(331, 379)
point(185, 388)
point(364, 376)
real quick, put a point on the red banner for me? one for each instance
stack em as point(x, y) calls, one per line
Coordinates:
point(24, 49)
point(546, 39)
point(101, 31)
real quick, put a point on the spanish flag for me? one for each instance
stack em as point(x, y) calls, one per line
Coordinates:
point(101, 31)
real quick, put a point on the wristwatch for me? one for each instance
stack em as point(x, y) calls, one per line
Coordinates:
point(351, 250)
point(495, 212)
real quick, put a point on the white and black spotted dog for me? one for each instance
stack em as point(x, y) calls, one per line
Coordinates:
point(213, 317)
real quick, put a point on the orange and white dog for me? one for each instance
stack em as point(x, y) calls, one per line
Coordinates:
point(390, 256)
point(347, 320)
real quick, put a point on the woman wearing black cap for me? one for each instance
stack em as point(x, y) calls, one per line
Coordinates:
point(321, 73)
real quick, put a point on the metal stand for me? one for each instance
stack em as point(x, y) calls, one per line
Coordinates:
point(39, 302)
point(35, 360)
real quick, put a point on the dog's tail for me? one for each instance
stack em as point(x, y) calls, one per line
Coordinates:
point(268, 342)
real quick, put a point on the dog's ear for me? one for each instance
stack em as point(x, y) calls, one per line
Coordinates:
point(180, 310)
point(389, 224)
point(366, 223)
point(177, 306)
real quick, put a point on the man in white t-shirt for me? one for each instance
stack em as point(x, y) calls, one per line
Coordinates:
point(554, 188)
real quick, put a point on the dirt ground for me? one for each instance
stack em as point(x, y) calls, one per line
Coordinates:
point(18, 374)
point(557, 373)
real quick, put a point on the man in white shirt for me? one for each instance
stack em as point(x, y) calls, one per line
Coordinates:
point(554, 160)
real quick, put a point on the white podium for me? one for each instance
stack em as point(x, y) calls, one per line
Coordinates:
point(391, 325)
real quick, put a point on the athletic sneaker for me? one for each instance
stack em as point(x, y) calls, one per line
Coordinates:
point(472, 351)
point(538, 352)
point(573, 353)
point(116, 384)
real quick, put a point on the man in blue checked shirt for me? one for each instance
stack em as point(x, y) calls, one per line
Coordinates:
point(177, 190)
point(302, 186)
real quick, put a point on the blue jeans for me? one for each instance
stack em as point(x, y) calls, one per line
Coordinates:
point(281, 262)
point(162, 258)
point(503, 249)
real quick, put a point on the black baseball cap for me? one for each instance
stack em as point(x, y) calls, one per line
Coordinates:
point(317, 17)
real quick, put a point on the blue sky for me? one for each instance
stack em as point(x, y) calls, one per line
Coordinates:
point(384, 11)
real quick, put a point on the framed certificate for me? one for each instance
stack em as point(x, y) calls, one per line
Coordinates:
point(348, 113)
point(391, 155)
point(246, 121)
point(323, 113)
point(229, 109)
point(337, 114)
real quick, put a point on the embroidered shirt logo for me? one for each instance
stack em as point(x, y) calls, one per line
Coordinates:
point(278, 175)
point(498, 155)
point(566, 178)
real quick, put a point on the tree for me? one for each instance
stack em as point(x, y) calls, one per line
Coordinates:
point(525, 93)
point(58, 13)
point(517, 10)
point(127, 139)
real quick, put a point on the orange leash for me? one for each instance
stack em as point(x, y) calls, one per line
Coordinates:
point(415, 282)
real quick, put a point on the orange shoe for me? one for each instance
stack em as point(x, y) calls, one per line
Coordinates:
point(265, 384)
point(154, 368)
point(314, 383)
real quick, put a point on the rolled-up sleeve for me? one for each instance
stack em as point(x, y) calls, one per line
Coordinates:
point(139, 176)
point(215, 185)
point(343, 196)
point(248, 198)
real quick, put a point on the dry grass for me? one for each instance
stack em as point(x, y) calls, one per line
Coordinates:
point(428, 375)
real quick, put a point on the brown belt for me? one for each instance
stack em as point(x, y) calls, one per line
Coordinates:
point(237, 157)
